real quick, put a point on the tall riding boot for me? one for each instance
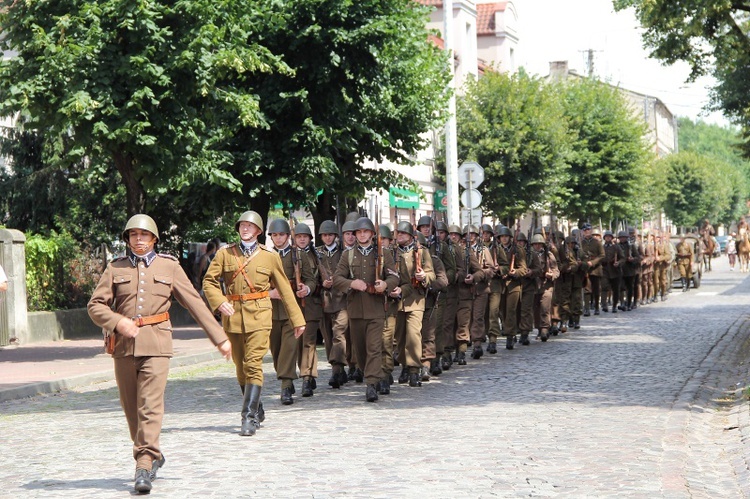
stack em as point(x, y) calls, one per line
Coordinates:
point(684, 284)
point(250, 410)
point(687, 284)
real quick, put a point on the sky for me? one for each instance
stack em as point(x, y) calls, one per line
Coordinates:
point(558, 30)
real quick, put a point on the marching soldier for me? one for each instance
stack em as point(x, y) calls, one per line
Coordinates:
point(663, 261)
point(593, 254)
point(366, 281)
point(308, 355)
point(140, 287)
point(416, 276)
point(429, 318)
point(557, 248)
point(447, 318)
point(481, 288)
point(511, 267)
point(614, 257)
point(284, 342)
point(468, 271)
point(389, 328)
point(335, 320)
point(494, 312)
point(251, 276)
point(629, 266)
point(350, 241)
point(635, 240)
point(543, 294)
point(529, 284)
point(647, 264)
point(685, 253)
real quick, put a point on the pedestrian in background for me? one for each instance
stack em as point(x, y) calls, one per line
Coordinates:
point(140, 287)
point(732, 250)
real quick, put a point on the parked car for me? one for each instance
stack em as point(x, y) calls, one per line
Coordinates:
point(697, 259)
point(722, 240)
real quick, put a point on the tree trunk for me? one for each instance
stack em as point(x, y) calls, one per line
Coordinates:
point(262, 205)
point(135, 194)
point(323, 209)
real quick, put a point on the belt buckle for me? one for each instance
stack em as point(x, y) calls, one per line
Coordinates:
point(138, 319)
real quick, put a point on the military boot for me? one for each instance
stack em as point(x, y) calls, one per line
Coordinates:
point(359, 376)
point(142, 483)
point(461, 361)
point(404, 376)
point(477, 352)
point(510, 342)
point(350, 377)
point(435, 368)
point(383, 387)
point(687, 284)
point(596, 311)
point(286, 394)
point(424, 373)
point(543, 334)
point(307, 389)
point(525, 339)
point(250, 411)
point(492, 347)
point(371, 394)
point(334, 381)
point(446, 361)
point(414, 379)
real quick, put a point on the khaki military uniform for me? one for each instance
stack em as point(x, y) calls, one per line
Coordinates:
point(529, 286)
point(335, 320)
point(366, 310)
point(647, 266)
point(685, 253)
point(509, 258)
point(663, 261)
point(429, 319)
point(592, 253)
point(248, 279)
point(412, 304)
point(446, 332)
point(466, 294)
point(543, 294)
point(481, 291)
point(308, 355)
point(630, 267)
point(144, 289)
point(389, 327)
point(448, 259)
point(614, 257)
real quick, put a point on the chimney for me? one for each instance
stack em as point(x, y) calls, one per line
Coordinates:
point(558, 70)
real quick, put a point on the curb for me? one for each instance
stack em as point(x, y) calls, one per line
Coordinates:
point(56, 386)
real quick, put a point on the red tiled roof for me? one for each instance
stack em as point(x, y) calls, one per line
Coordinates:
point(437, 41)
point(486, 17)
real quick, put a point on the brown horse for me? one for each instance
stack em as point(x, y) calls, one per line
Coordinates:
point(743, 252)
point(709, 246)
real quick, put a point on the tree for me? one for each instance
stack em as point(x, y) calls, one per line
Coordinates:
point(695, 189)
point(711, 36)
point(143, 88)
point(609, 157)
point(514, 126)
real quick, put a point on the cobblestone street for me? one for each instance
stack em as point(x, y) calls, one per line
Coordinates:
point(647, 403)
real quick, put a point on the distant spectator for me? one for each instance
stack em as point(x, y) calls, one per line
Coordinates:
point(732, 250)
point(3, 280)
point(206, 259)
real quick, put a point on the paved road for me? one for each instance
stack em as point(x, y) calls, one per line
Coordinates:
point(642, 404)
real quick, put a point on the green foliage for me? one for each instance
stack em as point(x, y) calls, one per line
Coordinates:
point(59, 275)
point(722, 145)
point(696, 188)
point(609, 159)
point(514, 126)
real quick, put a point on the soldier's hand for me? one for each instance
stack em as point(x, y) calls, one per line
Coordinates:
point(226, 309)
point(359, 285)
point(380, 286)
point(302, 290)
point(549, 275)
point(127, 328)
point(420, 275)
point(469, 279)
point(226, 349)
point(396, 292)
point(274, 294)
point(328, 283)
point(299, 331)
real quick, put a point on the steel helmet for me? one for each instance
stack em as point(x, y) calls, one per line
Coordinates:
point(608, 233)
point(486, 228)
point(364, 223)
point(622, 233)
point(504, 231)
point(349, 226)
point(596, 232)
point(454, 229)
point(249, 216)
point(422, 240)
point(405, 227)
point(441, 226)
point(498, 228)
point(328, 227)
point(537, 239)
point(140, 221)
point(471, 229)
point(279, 226)
point(522, 237)
point(385, 232)
point(302, 228)
point(424, 220)
point(352, 216)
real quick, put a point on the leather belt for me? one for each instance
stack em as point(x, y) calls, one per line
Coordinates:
point(141, 321)
point(248, 297)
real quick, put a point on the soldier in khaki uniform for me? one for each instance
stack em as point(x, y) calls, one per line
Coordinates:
point(481, 284)
point(140, 287)
point(468, 272)
point(416, 275)
point(357, 276)
point(335, 321)
point(308, 354)
point(663, 256)
point(350, 241)
point(429, 318)
point(511, 267)
point(447, 319)
point(284, 342)
point(251, 275)
point(496, 285)
point(529, 286)
point(543, 294)
point(647, 264)
point(389, 327)
point(685, 253)
point(614, 259)
point(592, 254)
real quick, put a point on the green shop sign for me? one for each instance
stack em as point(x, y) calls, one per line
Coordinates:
point(402, 198)
point(441, 200)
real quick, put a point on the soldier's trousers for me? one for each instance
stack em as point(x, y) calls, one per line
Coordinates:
point(463, 326)
point(409, 338)
point(308, 354)
point(350, 358)
point(543, 307)
point(686, 270)
point(389, 329)
point(564, 296)
point(493, 305)
point(248, 350)
point(141, 382)
point(509, 302)
point(333, 327)
point(367, 347)
point(660, 276)
point(637, 287)
point(614, 284)
point(526, 306)
point(596, 287)
point(429, 324)
point(576, 302)
point(646, 286)
point(557, 298)
point(628, 281)
point(447, 327)
point(478, 308)
point(284, 350)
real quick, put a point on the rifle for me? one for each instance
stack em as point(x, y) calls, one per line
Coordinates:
point(467, 257)
point(295, 259)
point(417, 262)
point(325, 274)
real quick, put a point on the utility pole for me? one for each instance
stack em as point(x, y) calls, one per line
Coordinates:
point(451, 152)
point(590, 61)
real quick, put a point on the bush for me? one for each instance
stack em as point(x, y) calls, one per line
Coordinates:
point(59, 273)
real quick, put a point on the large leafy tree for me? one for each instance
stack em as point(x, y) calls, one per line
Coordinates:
point(609, 157)
point(144, 88)
point(514, 126)
point(711, 36)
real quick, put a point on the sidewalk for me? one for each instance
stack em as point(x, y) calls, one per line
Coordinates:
point(37, 368)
